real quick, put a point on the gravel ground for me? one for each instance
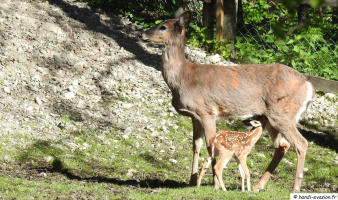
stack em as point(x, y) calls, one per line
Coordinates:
point(61, 59)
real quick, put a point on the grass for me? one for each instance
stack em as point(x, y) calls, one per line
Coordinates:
point(97, 165)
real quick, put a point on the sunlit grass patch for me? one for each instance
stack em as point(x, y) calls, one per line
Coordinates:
point(151, 164)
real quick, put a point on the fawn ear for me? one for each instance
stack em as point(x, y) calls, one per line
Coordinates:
point(179, 13)
point(184, 19)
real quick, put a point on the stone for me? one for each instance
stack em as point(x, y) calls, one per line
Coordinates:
point(200, 54)
point(91, 87)
point(69, 95)
point(57, 60)
point(38, 100)
point(215, 58)
point(71, 88)
point(163, 114)
point(7, 159)
point(261, 155)
point(330, 96)
point(125, 136)
point(126, 129)
point(173, 110)
point(96, 75)
point(154, 91)
point(286, 161)
point(75, 82)
point(47, 158)
point(172, 148)
point(127, 105)
point(81, 104)
point(6, 90)
point(130, 172)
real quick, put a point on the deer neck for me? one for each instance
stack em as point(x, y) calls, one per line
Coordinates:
point(173, 59)
point(255, 133)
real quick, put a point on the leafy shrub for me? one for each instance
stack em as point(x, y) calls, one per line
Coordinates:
point(141, 12)
point(310, 49)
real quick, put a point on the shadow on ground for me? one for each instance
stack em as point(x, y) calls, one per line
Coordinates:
point(325, 138)
point(147, 183)
point(92, 22)
point(95, 170)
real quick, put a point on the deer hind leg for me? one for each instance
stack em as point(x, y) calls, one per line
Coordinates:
point(281, 147)
point(300, 144)
point(289, 131)
point(206, 126)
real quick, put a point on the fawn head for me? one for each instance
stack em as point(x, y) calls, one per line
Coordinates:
point(162, 32)
point(259, 121)
point(253, 123)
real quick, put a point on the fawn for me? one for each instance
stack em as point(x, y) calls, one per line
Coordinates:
point(228, 143)
point(205, 92)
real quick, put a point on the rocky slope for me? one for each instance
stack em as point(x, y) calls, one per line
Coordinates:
point(64, 66)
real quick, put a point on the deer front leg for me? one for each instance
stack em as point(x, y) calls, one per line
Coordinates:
point(203, 126)
point(197, 143)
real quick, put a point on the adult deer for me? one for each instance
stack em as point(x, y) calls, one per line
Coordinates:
point(228, 143)
point(205, 92)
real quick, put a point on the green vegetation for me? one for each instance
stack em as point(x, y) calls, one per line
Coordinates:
point(139, 166)
point(310, 48)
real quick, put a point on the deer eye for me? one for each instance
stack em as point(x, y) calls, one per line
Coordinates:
point(162, 28)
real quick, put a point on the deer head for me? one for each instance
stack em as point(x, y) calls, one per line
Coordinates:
point(162, 32)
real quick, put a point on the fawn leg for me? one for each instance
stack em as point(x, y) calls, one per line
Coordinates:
point(204, 169)
point(219, 168)
point(242, 160)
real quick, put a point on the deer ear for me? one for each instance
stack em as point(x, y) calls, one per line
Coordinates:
point(184, 19)
point(179, 13)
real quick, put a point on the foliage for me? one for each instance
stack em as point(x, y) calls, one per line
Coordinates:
point(308, 50)
point(141, 12)
point(198, 36)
